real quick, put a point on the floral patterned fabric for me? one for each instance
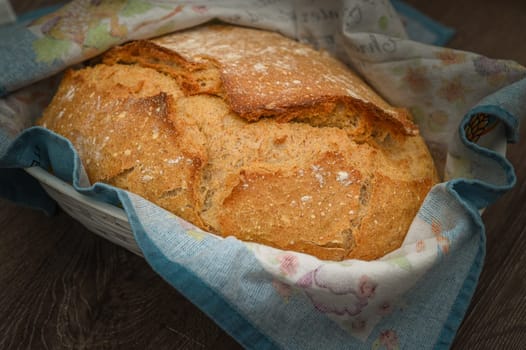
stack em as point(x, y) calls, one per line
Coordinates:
point(467, 107)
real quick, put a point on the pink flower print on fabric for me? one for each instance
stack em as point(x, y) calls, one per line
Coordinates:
point(343, 299)
point(201, 9)
point(488, 67)
point(288, 264)
point(367, 287)
point(420, 246)
point(306, 281)
point(385, 308)
point(388, 340)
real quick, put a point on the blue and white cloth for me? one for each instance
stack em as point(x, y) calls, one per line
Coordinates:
point(467, 106)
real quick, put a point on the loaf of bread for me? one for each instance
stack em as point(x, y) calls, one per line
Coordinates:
point(247, 133)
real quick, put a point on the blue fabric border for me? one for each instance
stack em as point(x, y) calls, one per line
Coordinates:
point(195, 290)
point(443, 33)
point(463, 299)
point(224, 314)
point(481, 194)
point(32, 15)
point(16, 186)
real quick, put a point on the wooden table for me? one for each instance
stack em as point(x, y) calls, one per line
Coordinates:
point(63, 287)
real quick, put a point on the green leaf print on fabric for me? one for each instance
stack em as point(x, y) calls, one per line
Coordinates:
point(402, 262)
point(99, 37)
point(383, 23)
point(48, 50)
point(136, 7)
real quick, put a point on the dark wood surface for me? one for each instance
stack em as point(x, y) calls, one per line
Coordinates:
point(63, 287)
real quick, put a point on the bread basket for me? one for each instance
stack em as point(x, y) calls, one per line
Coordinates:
point(101, 218)
point(324, 304)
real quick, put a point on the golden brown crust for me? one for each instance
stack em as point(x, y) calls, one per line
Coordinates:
point(193, 77)
point(275, 76)
point(267, 206)
point(193, 123)
point(117, 122)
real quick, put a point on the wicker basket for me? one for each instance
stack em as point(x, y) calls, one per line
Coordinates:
point(101, 218)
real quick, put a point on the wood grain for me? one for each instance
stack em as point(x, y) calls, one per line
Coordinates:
point(62, 287)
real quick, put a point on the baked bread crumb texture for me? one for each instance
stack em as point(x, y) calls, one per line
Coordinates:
point(247, 133)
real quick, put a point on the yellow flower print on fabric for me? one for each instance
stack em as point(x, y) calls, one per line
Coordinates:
point(416, 78)
point(448, 56)
point(453, 90)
